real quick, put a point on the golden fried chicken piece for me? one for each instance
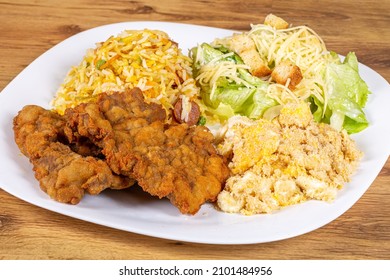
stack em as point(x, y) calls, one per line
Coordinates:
point(174, 161)
point(62, 173)
point(111, 121)
point(185, 168)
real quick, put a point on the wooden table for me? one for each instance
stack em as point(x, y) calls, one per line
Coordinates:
point(29, 28)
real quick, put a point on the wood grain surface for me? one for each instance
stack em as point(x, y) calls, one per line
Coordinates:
point(30, 27)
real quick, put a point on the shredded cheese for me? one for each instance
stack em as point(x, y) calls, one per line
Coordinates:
point(216, 69)
point(301, 45)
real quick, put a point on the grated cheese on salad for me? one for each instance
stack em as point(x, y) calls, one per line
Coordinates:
point(305, 48)
point(292, 64)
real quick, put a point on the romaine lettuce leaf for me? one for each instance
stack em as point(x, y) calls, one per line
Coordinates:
point(230, 97)
point(260, 103)
point(347, 94)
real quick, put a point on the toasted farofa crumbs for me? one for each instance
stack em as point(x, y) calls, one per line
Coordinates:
point(284, 162)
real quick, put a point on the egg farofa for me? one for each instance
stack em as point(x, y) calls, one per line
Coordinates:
point(285, 161)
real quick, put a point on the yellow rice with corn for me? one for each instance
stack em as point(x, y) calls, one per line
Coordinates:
point(147, 59)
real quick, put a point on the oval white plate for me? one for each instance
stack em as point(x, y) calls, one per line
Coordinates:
point(134, 211)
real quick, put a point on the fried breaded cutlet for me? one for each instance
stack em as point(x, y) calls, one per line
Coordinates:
point(174, 161)
point(65, 175)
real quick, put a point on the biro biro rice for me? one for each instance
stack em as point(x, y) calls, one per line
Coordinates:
point(147, 59)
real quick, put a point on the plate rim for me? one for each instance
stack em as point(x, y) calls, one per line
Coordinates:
point(53, 206)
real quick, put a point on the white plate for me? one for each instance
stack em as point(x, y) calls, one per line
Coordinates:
point(134, 211)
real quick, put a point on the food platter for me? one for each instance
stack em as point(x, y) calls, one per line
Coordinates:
point(134, 211)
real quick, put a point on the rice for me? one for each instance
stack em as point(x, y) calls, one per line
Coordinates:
point(147, 59)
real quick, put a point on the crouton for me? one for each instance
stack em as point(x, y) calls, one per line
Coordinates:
point(245, 47)
point(286, 70)
point(275, 22)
